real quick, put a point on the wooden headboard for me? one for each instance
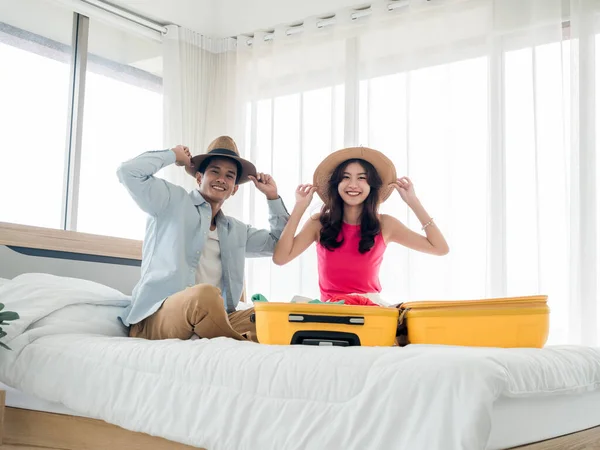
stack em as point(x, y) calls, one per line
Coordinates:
point(114, 261)
point(25, 236)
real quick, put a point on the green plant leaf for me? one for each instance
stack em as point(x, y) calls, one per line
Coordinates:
point(4, 346)
point(8, 315)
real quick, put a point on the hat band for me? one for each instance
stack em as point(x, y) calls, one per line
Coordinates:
point(223, 151)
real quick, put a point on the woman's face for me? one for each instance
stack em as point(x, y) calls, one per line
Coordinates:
point(354, 188)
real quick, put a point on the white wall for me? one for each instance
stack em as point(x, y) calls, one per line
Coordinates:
point(39, 17)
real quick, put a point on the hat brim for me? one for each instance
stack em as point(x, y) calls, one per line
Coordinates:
point(247, 167)
point(384, 166)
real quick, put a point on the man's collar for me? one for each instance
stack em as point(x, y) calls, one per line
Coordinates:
point(197, 197)
point(198, 200)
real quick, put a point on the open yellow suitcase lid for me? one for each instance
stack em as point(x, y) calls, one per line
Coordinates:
point(533, 300)
point(498, 306)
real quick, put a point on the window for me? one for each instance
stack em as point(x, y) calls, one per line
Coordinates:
point(122, 118)
point(537, 167)
point(34, 83)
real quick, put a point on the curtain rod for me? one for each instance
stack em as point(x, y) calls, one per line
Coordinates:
point(97, 9)
point(395, 4)
point(127, 15)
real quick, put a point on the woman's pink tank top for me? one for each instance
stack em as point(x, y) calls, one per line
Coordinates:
point(346, 271)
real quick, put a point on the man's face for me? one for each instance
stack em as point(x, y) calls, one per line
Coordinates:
point(217, 183)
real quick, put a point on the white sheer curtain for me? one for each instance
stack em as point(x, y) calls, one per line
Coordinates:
point(197, 93)
point(489, 106)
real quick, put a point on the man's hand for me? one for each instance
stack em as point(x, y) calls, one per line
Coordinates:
point(265, 184)
point(183, 157)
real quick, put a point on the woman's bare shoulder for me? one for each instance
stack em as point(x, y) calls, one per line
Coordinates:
point(389, 226)
point(386, 220)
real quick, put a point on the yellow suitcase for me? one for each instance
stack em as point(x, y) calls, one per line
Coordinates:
point(323, 324)
point(496, 322)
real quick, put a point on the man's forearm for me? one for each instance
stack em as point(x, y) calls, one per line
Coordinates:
point(145, 165)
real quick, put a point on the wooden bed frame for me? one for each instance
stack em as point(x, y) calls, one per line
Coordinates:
point(33, 430)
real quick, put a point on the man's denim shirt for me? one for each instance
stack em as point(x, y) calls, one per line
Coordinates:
point(176, 231)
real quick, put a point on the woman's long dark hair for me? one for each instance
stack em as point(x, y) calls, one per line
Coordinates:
point(332, 213)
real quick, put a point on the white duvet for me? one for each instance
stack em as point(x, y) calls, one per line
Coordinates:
point(69, 347)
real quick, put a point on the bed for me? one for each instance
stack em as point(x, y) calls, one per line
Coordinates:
point(73, 382)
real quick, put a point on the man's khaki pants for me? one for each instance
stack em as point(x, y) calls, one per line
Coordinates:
point(196, 310)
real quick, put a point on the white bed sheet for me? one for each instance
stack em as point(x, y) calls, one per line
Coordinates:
point(521, 421)
point(68, 348)
point(515, 421)
point(18, 399)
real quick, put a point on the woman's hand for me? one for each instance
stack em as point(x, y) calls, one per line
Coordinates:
point(304, 195)
point(406, 190)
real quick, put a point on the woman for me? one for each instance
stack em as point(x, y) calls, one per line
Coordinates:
point(350, 233)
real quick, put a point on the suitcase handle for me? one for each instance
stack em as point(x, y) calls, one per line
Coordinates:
point(310, 318)
point(329, 338)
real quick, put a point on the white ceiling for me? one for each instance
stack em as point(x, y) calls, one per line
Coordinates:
point(224, 18)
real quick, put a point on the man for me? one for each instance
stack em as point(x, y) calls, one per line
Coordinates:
point(193, 255)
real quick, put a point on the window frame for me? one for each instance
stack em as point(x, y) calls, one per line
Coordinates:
point(78, 57)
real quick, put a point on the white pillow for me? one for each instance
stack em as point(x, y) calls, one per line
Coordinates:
point(3, 281)
point(35, 296)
